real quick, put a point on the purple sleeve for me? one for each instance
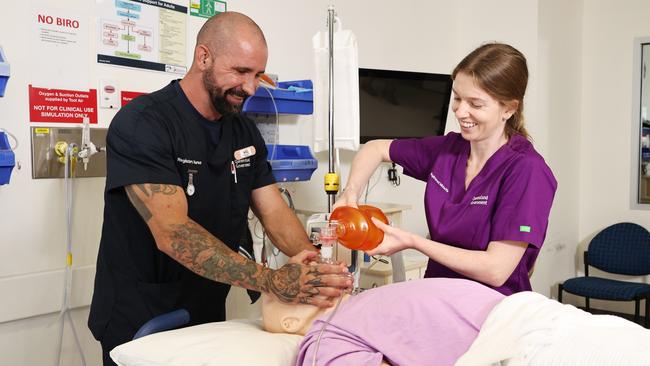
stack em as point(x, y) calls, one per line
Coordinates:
point(417, 156)
point(524, 203)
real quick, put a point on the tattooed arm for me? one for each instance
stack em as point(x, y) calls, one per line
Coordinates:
point(280, 223)
point(164, 209)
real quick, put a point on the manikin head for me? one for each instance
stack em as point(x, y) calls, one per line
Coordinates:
point(280, 317)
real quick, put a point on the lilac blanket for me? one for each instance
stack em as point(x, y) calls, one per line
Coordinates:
point(425, 322)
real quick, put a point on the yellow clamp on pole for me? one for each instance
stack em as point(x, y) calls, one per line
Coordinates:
point(331, 183)
point(68, 259)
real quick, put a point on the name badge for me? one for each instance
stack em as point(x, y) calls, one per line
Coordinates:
point(245, 152)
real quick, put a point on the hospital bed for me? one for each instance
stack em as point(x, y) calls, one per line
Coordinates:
point(524, 329)
point(234, 343)
point(217, 343)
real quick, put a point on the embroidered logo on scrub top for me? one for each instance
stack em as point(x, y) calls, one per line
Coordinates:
point(479, 200)
point(243, 163)
point(189, 161)
point(439, 183)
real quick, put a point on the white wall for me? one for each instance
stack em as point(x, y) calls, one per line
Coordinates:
point(577, 109)
point(609, 30)
point(559, 76)
point(32, 220)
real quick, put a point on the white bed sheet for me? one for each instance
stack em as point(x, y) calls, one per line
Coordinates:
point(529, 329)
point(524, 329)
point(234, 342)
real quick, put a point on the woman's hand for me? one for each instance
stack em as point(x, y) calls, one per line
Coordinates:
point(394, 241)
point(347, 198)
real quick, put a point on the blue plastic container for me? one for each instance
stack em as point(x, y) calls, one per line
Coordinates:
point(3, 85)
point(4, 72)
point(291, 163)
point(299, 101)
point(7, 159)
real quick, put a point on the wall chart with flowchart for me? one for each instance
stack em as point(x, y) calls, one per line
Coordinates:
point(147, 34)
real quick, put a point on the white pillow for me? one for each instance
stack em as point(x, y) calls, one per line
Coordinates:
point(234, 342)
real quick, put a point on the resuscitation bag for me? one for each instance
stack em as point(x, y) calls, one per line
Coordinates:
point(354, 227)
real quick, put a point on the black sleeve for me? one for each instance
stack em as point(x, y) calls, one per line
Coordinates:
point(263, 173)
point(139, 150)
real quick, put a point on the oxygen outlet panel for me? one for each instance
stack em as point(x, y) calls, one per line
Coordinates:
point(47, 163)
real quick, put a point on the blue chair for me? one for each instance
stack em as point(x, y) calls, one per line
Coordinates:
point(160, 323)
point(622, 248)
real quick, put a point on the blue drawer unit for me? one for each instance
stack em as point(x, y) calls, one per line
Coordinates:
point(4, 72)
point(291, 97)
point(7, 159)
point(291, 163)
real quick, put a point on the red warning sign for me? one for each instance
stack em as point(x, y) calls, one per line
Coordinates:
point(128, 96)
point(60, 105)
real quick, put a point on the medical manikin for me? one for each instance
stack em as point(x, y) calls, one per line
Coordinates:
point(436, 321)
point(423, 322)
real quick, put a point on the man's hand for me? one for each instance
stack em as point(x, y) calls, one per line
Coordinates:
point(316, 284)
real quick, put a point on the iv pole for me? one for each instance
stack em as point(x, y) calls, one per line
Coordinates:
point(332, 178)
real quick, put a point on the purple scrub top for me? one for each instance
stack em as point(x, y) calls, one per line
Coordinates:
point(510, 198)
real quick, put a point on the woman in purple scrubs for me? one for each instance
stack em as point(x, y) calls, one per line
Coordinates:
point(488, 193)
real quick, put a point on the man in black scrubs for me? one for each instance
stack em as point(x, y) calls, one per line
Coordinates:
point(183, 168)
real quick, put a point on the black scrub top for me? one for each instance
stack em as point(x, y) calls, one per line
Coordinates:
point(160, 138)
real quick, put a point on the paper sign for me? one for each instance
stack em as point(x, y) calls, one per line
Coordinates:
point(59, 39)
point(145, 34)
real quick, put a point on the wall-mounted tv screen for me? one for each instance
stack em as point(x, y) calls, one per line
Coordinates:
point(402, 104)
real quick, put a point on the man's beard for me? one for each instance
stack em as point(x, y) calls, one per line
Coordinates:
point(218, 98)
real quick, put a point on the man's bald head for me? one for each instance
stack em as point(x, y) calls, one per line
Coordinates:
point(223, 28)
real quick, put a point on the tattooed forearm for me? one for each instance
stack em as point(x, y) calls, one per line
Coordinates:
point(137, 202)
point(165, 211)
point(200, 251)
point(197, 249)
